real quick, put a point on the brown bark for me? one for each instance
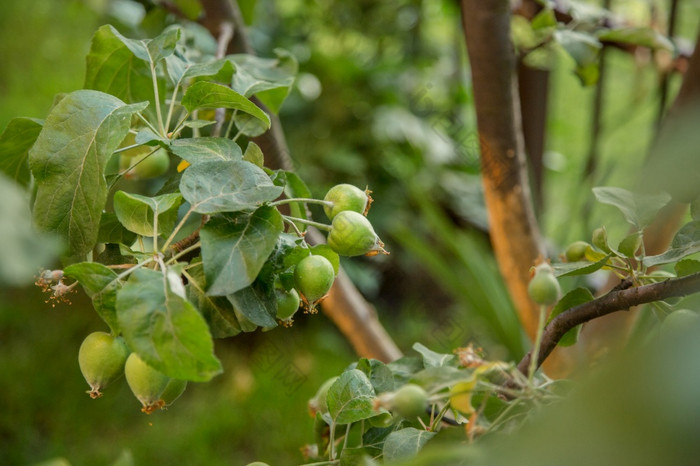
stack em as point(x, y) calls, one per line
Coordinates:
point(514, 232)
point(345, 306)
point(533, 87)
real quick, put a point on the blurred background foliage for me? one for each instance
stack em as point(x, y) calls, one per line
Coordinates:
point(383, 99)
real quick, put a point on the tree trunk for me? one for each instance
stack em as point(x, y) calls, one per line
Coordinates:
point(514, 232)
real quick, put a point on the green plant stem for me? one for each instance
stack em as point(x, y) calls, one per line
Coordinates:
point(193, 282)
point(502, 417)
point(347, 434)
point(230, 124)
point(124, 149)
point(438, 418)
point(156, 97)
point(172, 106)
point(320, 226)
point(238, 134)
point(301, 199)
point(296, 230)
point(177, 229)
point(125, 171)
point(180, 126)
point(134, 268)
point(148, 123)
point(536, 346)
point(196, 245)
point(331, 443)
point(155, 231)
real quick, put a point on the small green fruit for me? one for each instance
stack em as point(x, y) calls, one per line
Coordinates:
point(680, 322)
point(409, 401)
point(313, 277)
point(149, 166)
point(146, 383)
point(352, 235)
point(101, 358)
point(346, 197)
point(287, 303)
point(576, 251)
point(382, 420)
point(318, 404)
point(600, 239)
point(544, 288)
point(172, 392)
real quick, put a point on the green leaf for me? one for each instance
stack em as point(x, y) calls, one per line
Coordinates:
point(545, 19)
point(405, 443)
point(163, 45)
point(100, 284)
point(269, 78)
point(180, 69)
point(254, 155)
point(226, 186)
point(644, 36)
point(24, 250)
point(234, 248)
point(196, 150)
point(571, 299)
point(248, 125)
point(630, 244)
point(568, 269)
point(16, 140)
point(687, 267)
point(217, 310)
point(584, 49)
point(210, 95)
point(68, 162)
point(113, 68)
point(638, 209)
point(138, 213)
point(256, 304)
point(112, 231)
point(351, 398)
point(685, 243)
point(433, 359)
point(380, 376)
point(404, 368)
point(164, 328)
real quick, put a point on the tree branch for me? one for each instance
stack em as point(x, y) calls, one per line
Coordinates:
point(621, 298)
